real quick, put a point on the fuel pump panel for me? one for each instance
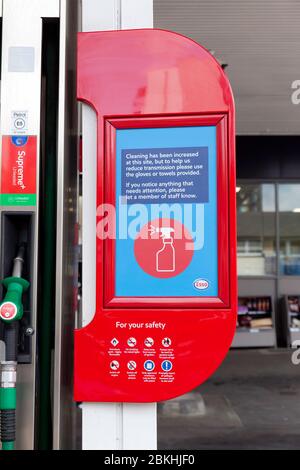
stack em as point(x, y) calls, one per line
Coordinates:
point(166, 223)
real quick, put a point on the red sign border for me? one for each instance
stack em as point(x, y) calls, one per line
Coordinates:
point(200, 336)
point(221, 123)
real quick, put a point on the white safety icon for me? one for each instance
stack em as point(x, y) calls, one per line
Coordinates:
point(149, 342)
point(166, 342)
point(114, 342)
point(114, 365)
point(131, 365)
point(131, 342)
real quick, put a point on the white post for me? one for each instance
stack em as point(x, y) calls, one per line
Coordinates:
point(108, 426)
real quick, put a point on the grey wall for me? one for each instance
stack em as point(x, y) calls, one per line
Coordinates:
point(260, 42)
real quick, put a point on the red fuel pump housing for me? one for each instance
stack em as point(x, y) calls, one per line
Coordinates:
point(166, 288)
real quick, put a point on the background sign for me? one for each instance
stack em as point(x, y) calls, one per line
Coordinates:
point(166, 198)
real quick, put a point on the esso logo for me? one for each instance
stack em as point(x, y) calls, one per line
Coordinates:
point(8, 311)
point(201, 284)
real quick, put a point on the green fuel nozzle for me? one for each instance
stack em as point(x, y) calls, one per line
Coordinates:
point(11, 308)
point(11, 311)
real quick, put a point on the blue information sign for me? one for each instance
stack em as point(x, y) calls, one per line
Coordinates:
point(166, 210)
point(165, 175)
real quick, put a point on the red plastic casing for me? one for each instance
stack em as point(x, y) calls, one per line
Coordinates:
point(113, 78)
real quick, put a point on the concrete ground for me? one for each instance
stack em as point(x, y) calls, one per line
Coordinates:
point(251, 402)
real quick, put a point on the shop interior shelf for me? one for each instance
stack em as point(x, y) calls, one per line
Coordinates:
point(255, 323)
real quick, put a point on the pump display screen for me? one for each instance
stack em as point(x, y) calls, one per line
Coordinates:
point(166, 212)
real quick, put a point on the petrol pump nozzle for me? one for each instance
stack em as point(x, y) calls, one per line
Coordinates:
point(11, 310)
point(11, 307)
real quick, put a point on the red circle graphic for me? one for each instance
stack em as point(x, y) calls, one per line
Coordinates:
point(164, 248)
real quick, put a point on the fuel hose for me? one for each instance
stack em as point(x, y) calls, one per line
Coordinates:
point(11, 312)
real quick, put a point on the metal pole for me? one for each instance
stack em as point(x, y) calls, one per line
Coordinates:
point(106, 426)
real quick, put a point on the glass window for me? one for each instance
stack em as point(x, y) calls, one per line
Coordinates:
point(289, 229)
point(256, 229)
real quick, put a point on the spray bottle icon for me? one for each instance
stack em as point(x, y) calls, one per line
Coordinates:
point(165, 257)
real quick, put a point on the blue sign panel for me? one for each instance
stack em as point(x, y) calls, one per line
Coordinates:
point(166, 212)
point(152, 176)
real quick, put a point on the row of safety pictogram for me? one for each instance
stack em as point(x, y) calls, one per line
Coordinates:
point(148, 342)
point(149, 365)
